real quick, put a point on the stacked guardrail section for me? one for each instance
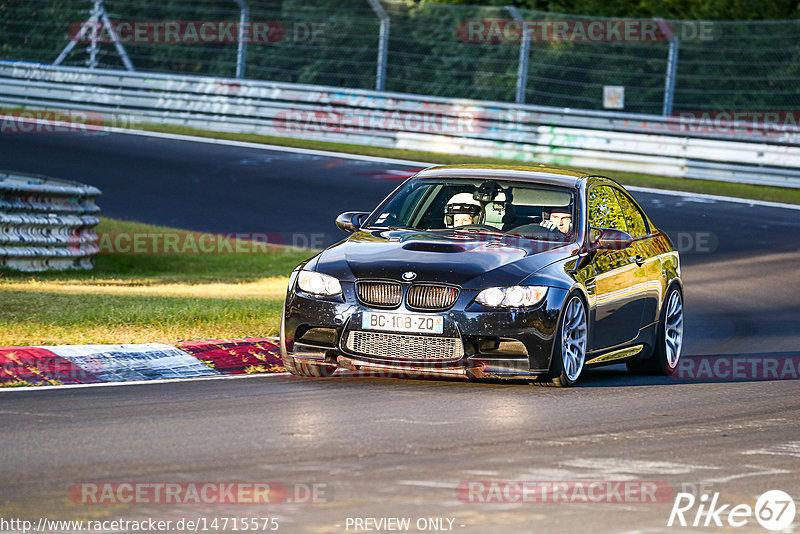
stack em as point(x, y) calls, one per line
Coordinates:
point(760, 154)
point(46, 224)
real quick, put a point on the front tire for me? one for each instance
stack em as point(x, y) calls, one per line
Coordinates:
point(309, 369)
point(669, 340)
point(298, 367)
point(569, 354)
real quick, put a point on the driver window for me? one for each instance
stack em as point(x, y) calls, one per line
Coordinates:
point(604, 209)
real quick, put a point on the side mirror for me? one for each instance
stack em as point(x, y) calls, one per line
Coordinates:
point(350, 221)
point(608, 239)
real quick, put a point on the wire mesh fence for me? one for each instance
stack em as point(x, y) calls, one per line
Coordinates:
point(460, 51)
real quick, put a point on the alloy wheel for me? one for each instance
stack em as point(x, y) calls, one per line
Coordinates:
point(573, 339)
point(673, 328)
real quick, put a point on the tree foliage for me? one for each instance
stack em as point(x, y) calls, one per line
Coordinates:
point(753, 63)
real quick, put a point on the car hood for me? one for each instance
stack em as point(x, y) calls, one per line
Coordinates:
point(465, 259)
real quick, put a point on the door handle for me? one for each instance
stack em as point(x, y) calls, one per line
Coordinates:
point(638, 260)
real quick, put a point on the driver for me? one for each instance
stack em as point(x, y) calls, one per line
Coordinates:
point(462, 210)
point(560, 219)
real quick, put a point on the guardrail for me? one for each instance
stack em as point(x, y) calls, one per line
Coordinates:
point(46, 224)
point(672, 146)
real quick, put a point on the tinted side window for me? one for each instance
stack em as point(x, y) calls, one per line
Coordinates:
point(411, 202)
point(636, 224)
point(604, 209)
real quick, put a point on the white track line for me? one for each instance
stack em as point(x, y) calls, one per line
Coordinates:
point(246, 144)
point(141, 382)
point(717, 198)
point(410, 163)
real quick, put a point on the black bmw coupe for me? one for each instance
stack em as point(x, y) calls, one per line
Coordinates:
point(490, 272)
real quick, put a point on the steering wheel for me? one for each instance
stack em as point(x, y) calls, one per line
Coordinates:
point(537, 229)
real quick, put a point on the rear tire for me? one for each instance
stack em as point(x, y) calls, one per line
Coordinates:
point(669, 339)
point(569, 353)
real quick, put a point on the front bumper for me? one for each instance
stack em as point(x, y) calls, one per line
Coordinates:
point(496, 343)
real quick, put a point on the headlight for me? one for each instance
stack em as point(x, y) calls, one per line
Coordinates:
point(318, 283)
point(511, 297)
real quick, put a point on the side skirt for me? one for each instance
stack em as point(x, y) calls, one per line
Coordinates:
point(615, 355)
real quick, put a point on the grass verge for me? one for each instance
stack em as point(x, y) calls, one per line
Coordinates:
point(711, 187)
point(148, 298)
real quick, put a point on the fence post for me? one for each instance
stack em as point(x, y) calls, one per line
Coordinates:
point(93, 48)
point(123, 54)
point(241, 52)
point(383, 44)
point(524, 53)
point(672, 67)
point(97, 16)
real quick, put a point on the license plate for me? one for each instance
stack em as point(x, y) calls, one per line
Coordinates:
point(402, 322)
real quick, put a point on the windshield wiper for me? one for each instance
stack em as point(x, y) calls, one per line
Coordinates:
point(384, 228)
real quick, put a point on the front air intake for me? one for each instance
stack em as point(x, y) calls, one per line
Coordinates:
point(379, 294)
point(431, 297)
point(404, 346)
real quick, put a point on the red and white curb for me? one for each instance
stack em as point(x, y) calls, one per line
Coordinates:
point(98, 364)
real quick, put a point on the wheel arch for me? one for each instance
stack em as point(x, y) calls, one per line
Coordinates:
point(673, 282)
point(576, 289)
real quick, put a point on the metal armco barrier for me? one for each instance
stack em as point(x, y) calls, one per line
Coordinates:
point(46, 224)
point(745, 153)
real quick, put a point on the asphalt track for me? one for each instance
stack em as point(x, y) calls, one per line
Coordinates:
point(399, 448)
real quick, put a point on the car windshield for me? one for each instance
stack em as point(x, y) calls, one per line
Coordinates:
point(530, 210)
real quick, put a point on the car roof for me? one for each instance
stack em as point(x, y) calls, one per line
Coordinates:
point(538, 174)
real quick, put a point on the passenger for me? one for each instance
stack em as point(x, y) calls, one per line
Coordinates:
point(560, 219)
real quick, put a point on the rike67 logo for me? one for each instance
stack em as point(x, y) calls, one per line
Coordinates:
point(774, 510)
